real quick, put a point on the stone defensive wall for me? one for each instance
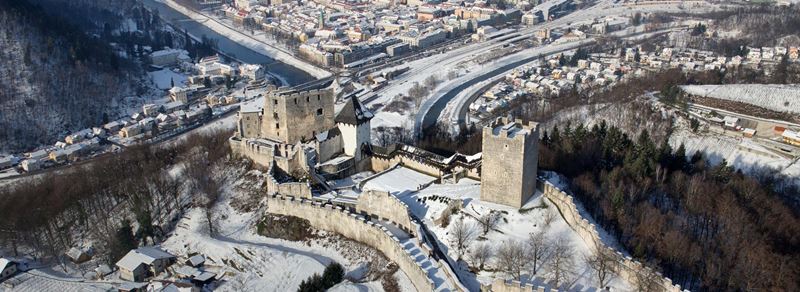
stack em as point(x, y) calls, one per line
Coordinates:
point(356, 227)
point(628, 268)
point(286, 156)
point(259, 154)
point(420, 160)
point(387, 207)
point(501, 285)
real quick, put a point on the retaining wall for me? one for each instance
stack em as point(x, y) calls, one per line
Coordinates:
point(353, 226)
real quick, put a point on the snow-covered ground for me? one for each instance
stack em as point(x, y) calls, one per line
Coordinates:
point(741, 153)
point(164, 78)
point(777, 97)
point(431, 202)
point(256, 263)
point(48, 280)
point(398, 181)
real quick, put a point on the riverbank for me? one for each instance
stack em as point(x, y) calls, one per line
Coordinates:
point(248, 41)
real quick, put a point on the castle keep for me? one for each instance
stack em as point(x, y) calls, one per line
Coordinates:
point(298, 114)
point(510, 160)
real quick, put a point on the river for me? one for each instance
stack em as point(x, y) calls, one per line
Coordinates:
point(291, 74)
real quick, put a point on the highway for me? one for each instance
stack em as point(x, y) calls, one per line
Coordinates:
point(433, 109)
point(440, 64)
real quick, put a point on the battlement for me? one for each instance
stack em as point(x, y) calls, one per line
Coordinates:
point(293, 93)
point(504, 127)
point(327, 216)
point(509, 161)
point(629, 268)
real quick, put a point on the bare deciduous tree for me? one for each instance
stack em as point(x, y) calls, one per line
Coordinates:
point(489, 221)
point(512, 258)
point(549, 217)
point(561, 263)
point(604, 264)
point(647, 280)
point(463, 234)
point(538, 250)
point(481, 253)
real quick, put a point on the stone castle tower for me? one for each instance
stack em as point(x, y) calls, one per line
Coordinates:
point(353, 122)
point(299, 113)
point(510, 162)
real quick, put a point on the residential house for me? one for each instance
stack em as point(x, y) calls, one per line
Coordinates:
point(169, 57)
point(8, 161)
point(144, 262)
point(78, 255)
point(31, 164)
point(196, 261)
point(130, 131)
point(730, 122)
point(79, 136)
point(8, 269)
point(791, 137)
point(253, 72)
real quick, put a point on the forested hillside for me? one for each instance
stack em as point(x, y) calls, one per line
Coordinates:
point(55, 77)
point(709, 228)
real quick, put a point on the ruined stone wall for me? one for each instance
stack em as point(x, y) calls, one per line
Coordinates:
point(329, 148)
point(629, 268)
point(353, 226)
point(260, 155)
point(294, 189)
point(249, 124)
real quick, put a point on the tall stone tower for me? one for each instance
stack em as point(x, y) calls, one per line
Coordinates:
point(298, 113)
point(353, 122)
point(509, 162)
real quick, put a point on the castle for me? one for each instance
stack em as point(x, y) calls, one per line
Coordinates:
point(296, 132)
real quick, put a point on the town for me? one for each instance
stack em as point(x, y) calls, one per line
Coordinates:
point(507, 146)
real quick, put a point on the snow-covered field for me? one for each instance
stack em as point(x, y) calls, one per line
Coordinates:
point(777, 97)
point(741, 153)
point(164, 78)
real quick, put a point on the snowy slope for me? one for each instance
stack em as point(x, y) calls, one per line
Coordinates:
point(515, 225)
point(777, 97)
point(255, 263)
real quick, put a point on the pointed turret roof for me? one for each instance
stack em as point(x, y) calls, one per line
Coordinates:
point(353, 113)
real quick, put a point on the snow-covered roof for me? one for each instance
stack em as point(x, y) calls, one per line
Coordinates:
point(332, 133)
point(142, 255)
point(75, 253)
point(205, 276)
point(4, 263)
point(353, 113)
point(252, 107)
point(196, 260)
point(791, 135)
